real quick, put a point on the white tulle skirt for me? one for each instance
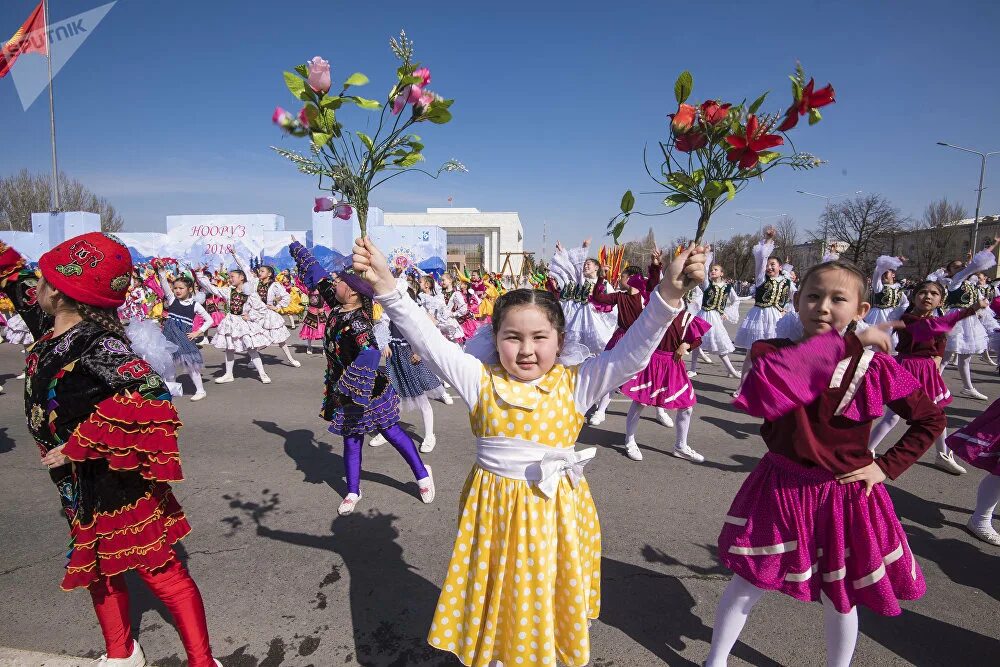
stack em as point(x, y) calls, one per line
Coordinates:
point(759, 324)
point(274, 327)
point(17, 332)
point(716, 340)
point(238, 335)
point(968, 337)
point(593, 328)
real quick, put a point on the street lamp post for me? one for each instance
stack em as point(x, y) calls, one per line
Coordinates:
point(826, 233)
point(979, 190)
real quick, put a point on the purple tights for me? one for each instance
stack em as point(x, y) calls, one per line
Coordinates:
point(398, 438)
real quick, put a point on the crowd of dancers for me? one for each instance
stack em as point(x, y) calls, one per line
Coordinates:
point(832, 361)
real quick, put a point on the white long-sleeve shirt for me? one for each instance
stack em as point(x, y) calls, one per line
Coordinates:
point(169, 298)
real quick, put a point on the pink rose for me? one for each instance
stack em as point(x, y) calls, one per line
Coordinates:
point(303, 119)
point(343, 211)
point(425, 99)
point(319, 75)
point(324, 204)
point(408, 95)
point(282, 118)
point(424, 74)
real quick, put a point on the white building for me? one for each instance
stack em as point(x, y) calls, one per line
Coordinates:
point(476, 240)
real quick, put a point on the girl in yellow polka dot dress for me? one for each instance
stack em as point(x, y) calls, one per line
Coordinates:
point(525, 574)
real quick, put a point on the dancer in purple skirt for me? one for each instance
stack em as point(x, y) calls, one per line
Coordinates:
point(978, 444)
point(665, 385)
point(813, 520)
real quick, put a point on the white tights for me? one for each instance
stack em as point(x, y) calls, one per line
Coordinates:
point(254, 359)
point(738, 599)
point(602, 405)
point(287, 350)
point(424, 405)
point(965, 370)
point(987, 498)
point(886, 424)
point(195, 373)
point(726, 361)
point(682, 422)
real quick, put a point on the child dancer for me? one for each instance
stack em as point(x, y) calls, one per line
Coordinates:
point(978, 444)
point(432, 301)
point(629, 303)
point(359, 398)
point(275, 297)
point(719, 302)
point(178, 327)
point(314, 322)
point(987, 292)
point(240, 330)
point(527, 556)
point(813, 520)
point(922, 338)
point(664, 384)
point(457, 307)
point(579, 280)
point(18, 333)
point(772, 291)
point(294, 306)
point(108, 435)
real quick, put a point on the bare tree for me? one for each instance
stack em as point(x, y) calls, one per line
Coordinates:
point(25, 193)
point(735, 255)
point(637, 253)
point(868, 223)
point(935, 237)
point(786, 236)
point(942, 212)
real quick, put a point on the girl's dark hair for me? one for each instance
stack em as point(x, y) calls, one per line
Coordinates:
point(957, 264)
point(367, 305)
point(842, 265)
point(239, 271)
point(924, 283)
point(542, 299)
point(184, 279)
point(270, 270)
point(630, 271)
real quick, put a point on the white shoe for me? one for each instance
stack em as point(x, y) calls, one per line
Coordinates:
point(348, 503)
point(685, 452)
point(447, 399)
point(974, 393)
point(295, 362)
point(446, 385)
point(597, 418)
point(137, 659)
point(736, 394)
point(664, 418)
point(377, 440)
point(264, 379)
point(225, 379)
point(202, 343)
point(198, 396)
point(735, 376)
point(947, 463)
point(427, 445)
point(985, 533)
point(426, 486)
point(20, 377)
point(309, 350)
point(706, 359)
point(632, 450)
point(692, 374)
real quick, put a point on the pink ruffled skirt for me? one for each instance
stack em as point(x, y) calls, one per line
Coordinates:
point(796, 530)
point(978, 443)
point(925, 370)
point(663, 384)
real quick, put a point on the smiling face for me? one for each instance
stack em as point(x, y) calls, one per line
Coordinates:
point(590, 268)
point(527, 342)
point(773, 268)
point(345, 295)
point(829, 300)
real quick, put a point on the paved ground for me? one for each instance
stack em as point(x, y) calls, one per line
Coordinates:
point(286, 582)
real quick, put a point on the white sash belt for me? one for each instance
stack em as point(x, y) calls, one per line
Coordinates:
point(529, 461)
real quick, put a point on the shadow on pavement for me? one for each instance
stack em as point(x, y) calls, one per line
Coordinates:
point(922, 640)
point(6, 442)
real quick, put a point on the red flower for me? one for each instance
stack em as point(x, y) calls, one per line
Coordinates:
point(714, 113)
point(683, 120)
point(31, 296)
point(135, 369)
point(808, 100)
point(690, 141)
point(755, 139)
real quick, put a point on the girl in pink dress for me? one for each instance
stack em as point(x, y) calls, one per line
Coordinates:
point(314, 322)
point(978, 444)
point(813, 520)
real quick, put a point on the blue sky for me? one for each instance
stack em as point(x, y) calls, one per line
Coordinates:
point(166, 108)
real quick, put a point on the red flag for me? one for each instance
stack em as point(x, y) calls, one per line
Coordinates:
point(30, 38)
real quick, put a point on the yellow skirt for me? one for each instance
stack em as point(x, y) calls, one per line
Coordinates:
point(294, 306)
point(524, 577)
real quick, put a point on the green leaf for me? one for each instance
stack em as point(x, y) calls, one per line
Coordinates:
point(814, 116)
point(438, 114)
point(331, 102)
point(681, 181)
point(321, 138)
point(366, 140)
point(296, 85)
point(328, 121)
point(698, 175)
point(356, 79)
point(676, 200)
point(683, 86)
point(312, 115)
point(410, 160)
point(365, 103)
point(731, 190)
point(628, 202)
point(768, 156)
point(757, 103)
point(796, 89)
point(617, 227)
point(714, 189)
point(303, 70)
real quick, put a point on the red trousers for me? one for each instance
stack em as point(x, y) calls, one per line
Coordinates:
point(176, 590)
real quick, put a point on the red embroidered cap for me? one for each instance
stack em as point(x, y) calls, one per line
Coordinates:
point(93, 268)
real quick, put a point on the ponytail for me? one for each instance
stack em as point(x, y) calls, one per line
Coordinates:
point(106, 318)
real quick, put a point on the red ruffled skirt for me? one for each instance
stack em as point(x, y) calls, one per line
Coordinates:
point(663, 384)
point(925, 370)
point(796, 530)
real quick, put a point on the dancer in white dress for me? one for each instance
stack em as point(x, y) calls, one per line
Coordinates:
point(578, 277)
point(433, 302)
point(275, 297)
point(719, 302)
point(888, 299)
point(240, 330)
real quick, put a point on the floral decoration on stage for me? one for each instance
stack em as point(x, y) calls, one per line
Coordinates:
point(715, 149)
point(350, 164)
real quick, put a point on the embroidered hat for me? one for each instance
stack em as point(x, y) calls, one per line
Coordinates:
point(93, 268)
point(356, 283)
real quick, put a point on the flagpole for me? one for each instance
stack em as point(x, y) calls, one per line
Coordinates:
point(54, 198)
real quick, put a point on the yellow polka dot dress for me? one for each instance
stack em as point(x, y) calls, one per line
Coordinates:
point(525, 572)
